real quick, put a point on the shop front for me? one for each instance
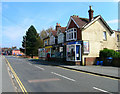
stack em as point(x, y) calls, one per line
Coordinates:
point(73, 52)
point(41, 53)
point(48, 50)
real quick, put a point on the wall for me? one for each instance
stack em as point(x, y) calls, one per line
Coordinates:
point(117, 43)
point(94, 33)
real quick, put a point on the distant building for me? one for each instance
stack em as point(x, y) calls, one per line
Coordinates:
point(16, 52)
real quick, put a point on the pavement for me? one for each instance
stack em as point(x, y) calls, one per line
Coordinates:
point(109, 71)
point(98, 70)
point(7, 83)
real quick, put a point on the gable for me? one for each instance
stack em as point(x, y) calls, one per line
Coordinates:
point(72, 24)
point(102, 21)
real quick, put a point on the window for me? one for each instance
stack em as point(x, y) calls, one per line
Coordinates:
point(61, 38)
point(70, 52)
point(104, 36)
point(118, 39)
point(45, 43)
point(75, 35)
point(71, 34)
point(48, 41)
point(52, 40)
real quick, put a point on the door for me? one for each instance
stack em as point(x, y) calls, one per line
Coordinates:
point(78, 52)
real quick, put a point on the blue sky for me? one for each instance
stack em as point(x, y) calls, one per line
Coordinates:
point(18, 16)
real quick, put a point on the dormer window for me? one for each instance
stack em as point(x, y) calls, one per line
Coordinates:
point(71, 34)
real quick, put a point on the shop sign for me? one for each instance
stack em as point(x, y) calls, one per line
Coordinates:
point(48, 47)
point(74, 42)
point(86, 47)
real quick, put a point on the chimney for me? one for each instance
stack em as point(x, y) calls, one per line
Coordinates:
point(57, 26)
point(90, 13)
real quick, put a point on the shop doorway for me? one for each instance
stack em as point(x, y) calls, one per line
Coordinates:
point(78, 53)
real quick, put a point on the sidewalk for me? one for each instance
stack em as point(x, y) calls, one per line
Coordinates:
point(7, 84)
point(108, 71)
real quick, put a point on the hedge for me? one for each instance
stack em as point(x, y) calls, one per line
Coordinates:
point(109, 53)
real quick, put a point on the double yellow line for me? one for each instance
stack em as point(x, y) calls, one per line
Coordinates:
point(17, 78)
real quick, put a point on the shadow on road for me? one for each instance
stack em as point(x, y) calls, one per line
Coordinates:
point(51, 63)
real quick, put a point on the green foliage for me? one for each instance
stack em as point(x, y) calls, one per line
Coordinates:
point(109, 53)
point(45, 33)
point(31, 42)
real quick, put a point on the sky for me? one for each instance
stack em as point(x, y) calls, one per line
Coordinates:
point(17, 17)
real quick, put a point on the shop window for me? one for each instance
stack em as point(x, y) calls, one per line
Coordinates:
point(71, 34)
point(70, 52)
point(41, 52)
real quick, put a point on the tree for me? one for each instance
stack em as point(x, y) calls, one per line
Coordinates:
point(31, 42)
point(45, 33)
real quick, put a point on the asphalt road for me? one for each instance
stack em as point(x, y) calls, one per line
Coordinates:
point(39, 77)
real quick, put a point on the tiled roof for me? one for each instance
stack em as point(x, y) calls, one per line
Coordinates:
point(54, 33)
point(63, 29)
point(80, 21)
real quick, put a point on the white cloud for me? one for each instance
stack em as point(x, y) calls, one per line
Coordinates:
point(113, 21)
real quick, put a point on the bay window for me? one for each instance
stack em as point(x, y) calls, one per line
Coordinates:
point(71, 34)
point(61, 38)
point(52, 40)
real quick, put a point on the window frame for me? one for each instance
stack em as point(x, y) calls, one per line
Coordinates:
point(104, 36)
point(60, 38)
point(52, 40)
point(118, 38)
point(71, 32)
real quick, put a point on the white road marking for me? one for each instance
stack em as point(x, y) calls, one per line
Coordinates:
point(101, 90)
point(63, 76)
point(39, 67)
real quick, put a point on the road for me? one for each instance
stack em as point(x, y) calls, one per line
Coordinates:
point(39, 77)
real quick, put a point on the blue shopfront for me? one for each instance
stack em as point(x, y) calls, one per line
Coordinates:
point(73, 51)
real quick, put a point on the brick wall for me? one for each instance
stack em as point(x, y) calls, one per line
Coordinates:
point(89, 60)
